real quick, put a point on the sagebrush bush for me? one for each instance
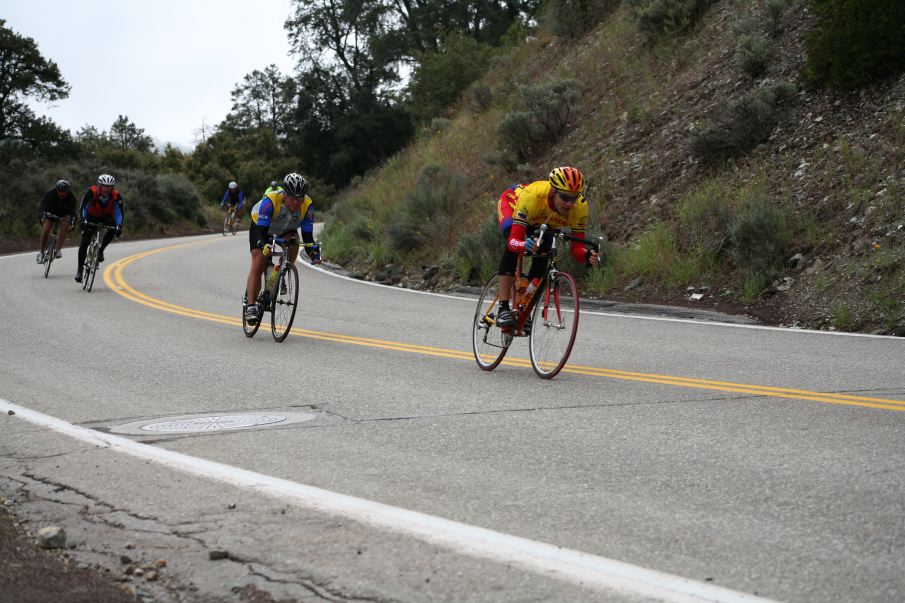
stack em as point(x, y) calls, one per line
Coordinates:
point(704, 217)
point(429, 211)
point(759, 233)
point(660, 18)
point(542, 118)
point(855, 42)
point(753, 53)
point(478, 253)
point(480, 97)
point(742, 125)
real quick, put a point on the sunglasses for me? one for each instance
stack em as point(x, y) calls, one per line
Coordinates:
point(567, 198)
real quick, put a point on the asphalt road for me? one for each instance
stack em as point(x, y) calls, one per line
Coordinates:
point(670, 460)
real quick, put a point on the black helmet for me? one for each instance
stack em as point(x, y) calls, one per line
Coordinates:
point(62, 186)
point(295, 185)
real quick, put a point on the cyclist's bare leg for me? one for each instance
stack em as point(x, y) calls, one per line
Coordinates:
point(64, 230)
point(46, 226)
point(505, 292)
point(253, 285)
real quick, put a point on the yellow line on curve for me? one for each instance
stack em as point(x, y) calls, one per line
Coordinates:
point(113, 277)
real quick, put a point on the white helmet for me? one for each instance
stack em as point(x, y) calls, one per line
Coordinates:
point(106, 180)
point(233, 186)
point(295, 185)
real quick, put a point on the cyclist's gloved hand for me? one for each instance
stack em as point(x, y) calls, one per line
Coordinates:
point(529, 245)
point(84, 224)
point(315, 254)
point(267, 249)
point(118, 230)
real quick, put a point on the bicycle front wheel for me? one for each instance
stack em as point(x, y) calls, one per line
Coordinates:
point(226, 224)
point(488, 341)
point(89, 278)
point(285, 301)
point(49, 253)
point(554, 323)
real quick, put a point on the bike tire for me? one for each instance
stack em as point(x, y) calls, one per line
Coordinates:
point(488, 342)
point(226, 224)
point(49, 252)
point(554, 324)
point(89, 279)
point(285, 302)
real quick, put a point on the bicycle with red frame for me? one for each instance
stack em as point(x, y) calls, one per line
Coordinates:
point(546, 314)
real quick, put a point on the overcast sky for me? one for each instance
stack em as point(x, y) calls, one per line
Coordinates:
point(168, 65)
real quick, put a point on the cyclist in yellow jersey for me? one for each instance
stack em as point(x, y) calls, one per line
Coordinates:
point(557, 202)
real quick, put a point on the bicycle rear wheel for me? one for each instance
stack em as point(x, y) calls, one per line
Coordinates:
point(488, 341)
point(285, 302)
point(554, 323)
point(49, 252)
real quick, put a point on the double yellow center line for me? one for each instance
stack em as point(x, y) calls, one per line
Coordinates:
point(113, 277)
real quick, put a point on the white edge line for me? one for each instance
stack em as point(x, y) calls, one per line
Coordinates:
point(711, 323)
point(589, 571)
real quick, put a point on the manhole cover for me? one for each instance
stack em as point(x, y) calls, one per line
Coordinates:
point(213, 423)
point(210, 423)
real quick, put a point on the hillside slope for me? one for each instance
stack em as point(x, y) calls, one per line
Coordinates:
point(834, 165)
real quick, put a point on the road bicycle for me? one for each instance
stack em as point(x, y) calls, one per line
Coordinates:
point(231, 221)
point(50, 249)
point(280, 292)
point(548, 316)
point(92, 255)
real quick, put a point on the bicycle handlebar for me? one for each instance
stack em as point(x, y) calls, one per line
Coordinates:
point(595, 245)
point(55, 217)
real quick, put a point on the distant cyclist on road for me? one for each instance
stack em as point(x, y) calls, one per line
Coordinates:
point(282, 213)
point(61, 202)
point(233, 197)
point(102, 204)
point(274, 187)
point(557, 202)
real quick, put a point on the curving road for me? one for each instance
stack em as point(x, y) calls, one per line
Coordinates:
point(671, 460)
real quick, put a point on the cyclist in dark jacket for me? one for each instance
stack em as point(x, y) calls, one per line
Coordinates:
point(61, 202)
point(102, 204)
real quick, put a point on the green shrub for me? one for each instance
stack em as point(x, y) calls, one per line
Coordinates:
point(753, 285)
point(542, 118)
point(775, 10)
point(439, 77)
point(704, 217)
point(480, 98)
point(429, 211)
point(569, 19)
point(855, 42)
point(661, 18)
point(752, 54)
point(478, 253)
point(742, 125)
point(759, 233)
point(842, 317)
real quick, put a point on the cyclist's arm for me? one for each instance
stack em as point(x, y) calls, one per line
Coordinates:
point(241, 201)
point(517, 235)
point(118, 211)
point(579, 251)
point(83, 209)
